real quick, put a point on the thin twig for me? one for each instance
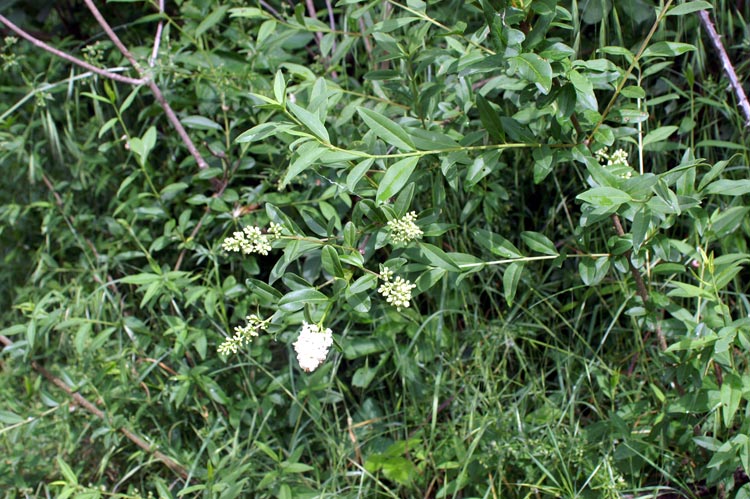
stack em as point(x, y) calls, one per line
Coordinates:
point(331, 22)
point(314, 14)
point(157, 37)
point(112, 35)
point(270, 9)
point(93, 409)
point(365, 38)
point(63, 55)
point(715, 38)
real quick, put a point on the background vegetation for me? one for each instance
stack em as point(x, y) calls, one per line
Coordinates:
point(577, 329)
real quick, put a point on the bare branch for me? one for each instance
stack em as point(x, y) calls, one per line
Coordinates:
point(739, 92)
point(171, 116)
point(62, 55)
point(314, 14)
point(157, 37)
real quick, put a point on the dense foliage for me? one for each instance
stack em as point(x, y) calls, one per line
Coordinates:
point(491, 248)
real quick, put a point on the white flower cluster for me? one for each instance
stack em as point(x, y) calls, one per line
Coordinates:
point(243, 335)
point(275, 230)
point(397, 292)
point(617, 162)
point(312, 346)
point(404, 229)
point(249, 240)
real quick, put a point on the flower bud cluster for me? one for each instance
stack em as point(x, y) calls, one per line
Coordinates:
point(243, 335)
point(617, 162)
point(404, 230)
point(397, 292)
point(249, 240)
point(312, 346)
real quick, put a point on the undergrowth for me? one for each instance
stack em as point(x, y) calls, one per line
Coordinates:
point(512, 235)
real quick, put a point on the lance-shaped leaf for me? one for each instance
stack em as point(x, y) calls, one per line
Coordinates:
point(295, 300)
point(310, 120)
point(395, 178)
point(386, 129)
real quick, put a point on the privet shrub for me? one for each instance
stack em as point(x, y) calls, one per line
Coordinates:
point(442, 249)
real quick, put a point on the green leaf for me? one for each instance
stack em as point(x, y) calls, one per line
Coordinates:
point(263, 290)
point(330, 261)
point(172, 190)
point(395, 178)
point(10, 418)
point(389, 131)
point(511, 278)
point(689, 8)
point(211, 20)
point(659, 134)
point(641, 225)
point(438, 257)
point(726, 222)
point(311, 121)
point(200, 123)
point(539, 243)
point(604, 196)
point(685, 290)
point(279, 87)
point(593, 270)
point(534, 69)
point(729, 187)
point(67, 472)
point(667, 49)
point(264, 130)
point(143, 278)
point(295, 300)
point(490, 119)
point(266, 29)
point(287, 467)
point(307, 154)
point(364, 283)
point(356, 173)
point(248, 12)
point(496, 244)
point(731, 395)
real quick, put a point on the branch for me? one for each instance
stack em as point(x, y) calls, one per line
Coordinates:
point(81, 401)
point(62, 55)
point(171, 116)
point(157, 37)
point(708, 25)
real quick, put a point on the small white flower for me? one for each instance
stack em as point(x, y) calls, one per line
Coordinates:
point(275, 230)
point(243, 335)
point(404, 229)
point(250, 240)
point(619, 157)
point(312, 346)
point(396, 292)
point(617, 162)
